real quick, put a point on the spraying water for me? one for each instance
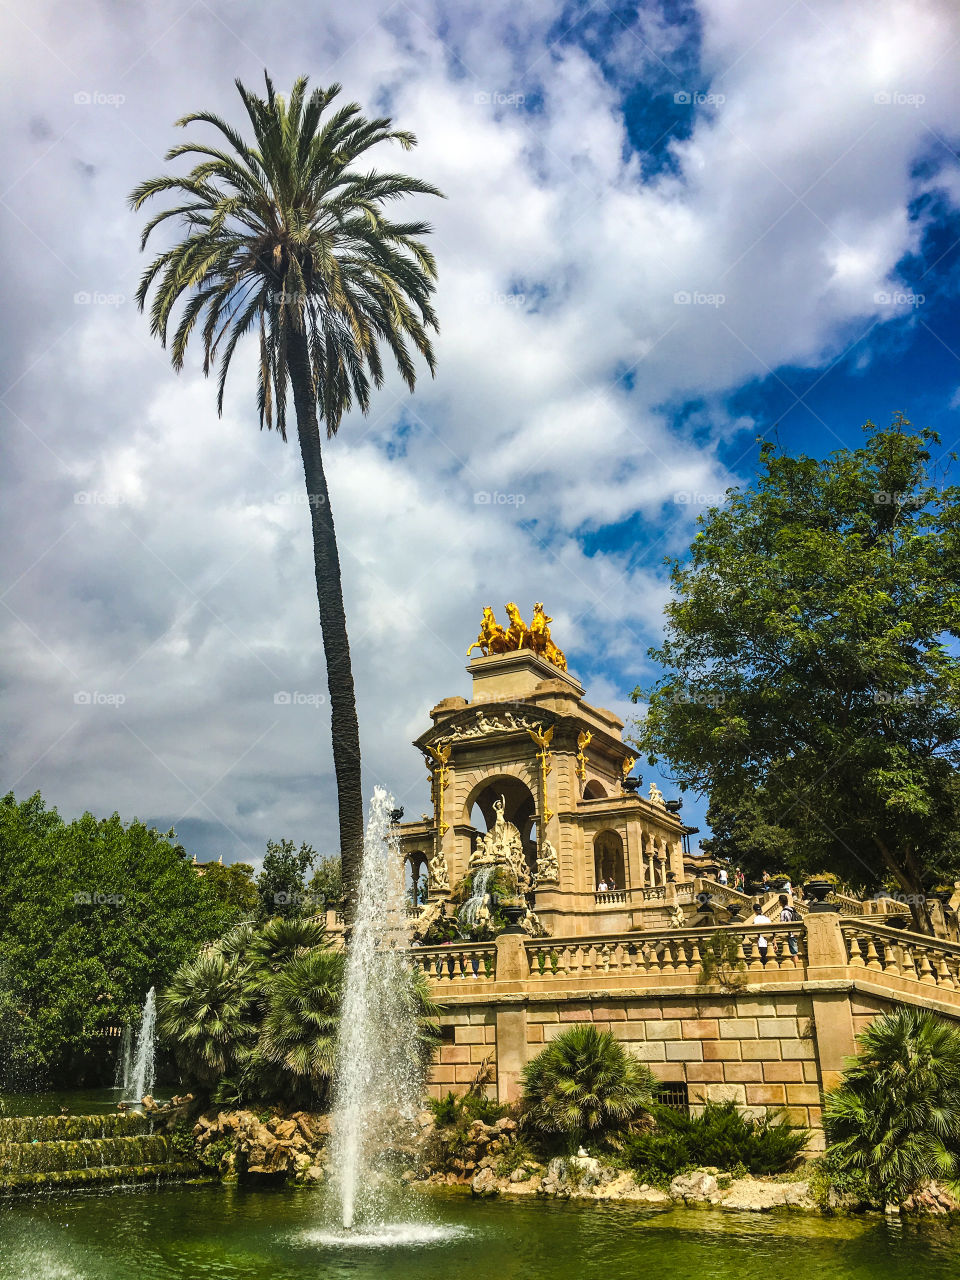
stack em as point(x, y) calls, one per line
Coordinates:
point(379, 1077)
point(143, 1069)
point(125, 1060)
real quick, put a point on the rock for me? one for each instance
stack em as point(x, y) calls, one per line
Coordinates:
point(753, 1195)
point(485, 1184)
point(519, 1175)
point(506, 1125)
point(284, 1129)
point(693, 1188)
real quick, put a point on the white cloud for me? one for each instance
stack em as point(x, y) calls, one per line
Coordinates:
point(783, 215)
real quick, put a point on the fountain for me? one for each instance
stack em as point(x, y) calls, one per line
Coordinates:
point(142, 1070)
point(124, 1073)
point(379, 1077)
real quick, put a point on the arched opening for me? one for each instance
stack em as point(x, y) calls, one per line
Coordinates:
point(608, 861)
point(519, 807)
point(416, 878)
point(594, 790)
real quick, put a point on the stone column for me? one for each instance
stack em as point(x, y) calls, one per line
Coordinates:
point(832, 1014)
point(511, 1018)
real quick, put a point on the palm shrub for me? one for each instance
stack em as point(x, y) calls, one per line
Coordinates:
point(585, 1085)
point(300, 1021)
point(720, 1136)
point(895, 1117)
point(207, 1013)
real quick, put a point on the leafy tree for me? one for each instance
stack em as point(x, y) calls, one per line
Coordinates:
point(234, 886)
point(895, 1118)
point(326, 885)
point(286, 235)
point(92, 914)
point(281, 885)
point(585, 1085)
point(812, 680)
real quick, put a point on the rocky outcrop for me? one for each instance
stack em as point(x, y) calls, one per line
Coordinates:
point(933, 1198)
point(239, 1144)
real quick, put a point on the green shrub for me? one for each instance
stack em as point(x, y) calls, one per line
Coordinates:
point(453, 1109)
point(895, 1118)
point(585, 1085)
point(720, 1137)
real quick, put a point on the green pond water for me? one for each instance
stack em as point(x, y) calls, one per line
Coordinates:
point(219, 1233)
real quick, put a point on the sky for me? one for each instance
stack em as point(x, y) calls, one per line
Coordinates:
point(669, 228)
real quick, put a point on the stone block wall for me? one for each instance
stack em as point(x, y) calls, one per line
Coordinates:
point(470, 1040)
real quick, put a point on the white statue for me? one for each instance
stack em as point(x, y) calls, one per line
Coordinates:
point(548, 865)
point(677, 918)
point(656, 795)
point(439, 880)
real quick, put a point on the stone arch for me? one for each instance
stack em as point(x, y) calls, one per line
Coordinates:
point(520, 808)
point(608, 860)
point(416, 876)
point(594, 790)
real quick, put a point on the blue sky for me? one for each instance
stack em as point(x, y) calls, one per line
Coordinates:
point(669, 228)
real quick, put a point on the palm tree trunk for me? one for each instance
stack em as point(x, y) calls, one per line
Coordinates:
point(333, 623)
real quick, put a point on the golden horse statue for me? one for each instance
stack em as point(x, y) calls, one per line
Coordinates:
point(492, 637)
point(540, 640)
point(495, 639)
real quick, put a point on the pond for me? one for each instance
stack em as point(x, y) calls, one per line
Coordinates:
point(232, 1234)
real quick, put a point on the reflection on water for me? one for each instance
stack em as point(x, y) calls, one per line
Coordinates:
point(224, 1233)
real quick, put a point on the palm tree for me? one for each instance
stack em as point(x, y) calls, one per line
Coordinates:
point(895, 1117)
point(585, 1085)
point(283, 939)
point(206, 1013)
point(287, 235)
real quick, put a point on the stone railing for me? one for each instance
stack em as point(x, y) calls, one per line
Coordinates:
point(653, 893)
point(611, 898)
point(897, 953)
point(668, 953)
point(456, 962)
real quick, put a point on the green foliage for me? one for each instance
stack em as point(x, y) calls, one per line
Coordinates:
point(895, 1118)
point(233, 886)
point(585, 1085)
point(92, 914)
point(326, 884)
point(452, 1108)
point(720, 961)
point(720, 1137)
point(808, 659)
point(293, 223)
point(255, 1015)
point(282, 883)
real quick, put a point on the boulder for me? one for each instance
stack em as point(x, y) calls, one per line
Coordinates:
point(753, 1195)
point(485, 1183)
point(694, 1188)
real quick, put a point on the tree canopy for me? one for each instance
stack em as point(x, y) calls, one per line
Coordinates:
point(811, 678)
point(92, 914)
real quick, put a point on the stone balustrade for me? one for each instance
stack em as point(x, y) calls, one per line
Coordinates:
point(896, 953)
point(472, 961)
point(611, 898)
